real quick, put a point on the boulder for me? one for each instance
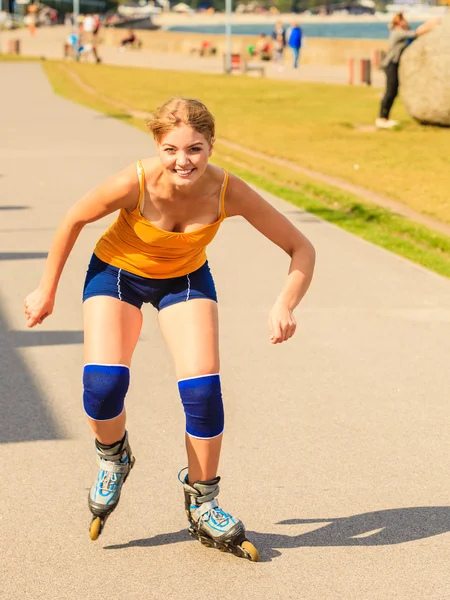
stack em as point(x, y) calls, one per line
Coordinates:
point(425, 76)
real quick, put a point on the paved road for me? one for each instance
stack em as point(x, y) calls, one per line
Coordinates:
point(48, 42)
point(337, 445)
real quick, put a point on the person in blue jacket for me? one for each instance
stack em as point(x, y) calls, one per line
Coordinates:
point(295, 35)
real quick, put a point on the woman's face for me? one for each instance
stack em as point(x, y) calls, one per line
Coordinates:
point(184, 154)
point(404, 25)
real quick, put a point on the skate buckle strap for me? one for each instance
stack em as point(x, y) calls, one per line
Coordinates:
point(209, 496)
point(206, 507)
point(112, 467)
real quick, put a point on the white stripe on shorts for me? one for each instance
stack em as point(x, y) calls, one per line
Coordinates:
point(189, 288)
point(118, 284)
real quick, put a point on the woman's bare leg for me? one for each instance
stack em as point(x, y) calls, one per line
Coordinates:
point(111, 332)
point(191, 332)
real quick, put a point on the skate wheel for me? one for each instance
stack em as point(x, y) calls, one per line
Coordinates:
point(251, 550)
point(95, 528)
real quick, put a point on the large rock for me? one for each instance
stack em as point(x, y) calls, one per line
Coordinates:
point(425, 76)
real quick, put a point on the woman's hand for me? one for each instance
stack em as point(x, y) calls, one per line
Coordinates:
point(282, 323)
point(37, 306)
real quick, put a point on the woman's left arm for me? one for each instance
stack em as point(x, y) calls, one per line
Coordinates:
point(243, 200)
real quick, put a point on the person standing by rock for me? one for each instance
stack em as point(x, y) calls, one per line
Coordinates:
point(400, 37)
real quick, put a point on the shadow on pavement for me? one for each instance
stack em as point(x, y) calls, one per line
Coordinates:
point(22, 339)
point(21, 255)
point(24, 414)
point(158, 540)
point(380, 528)
point(11, 207)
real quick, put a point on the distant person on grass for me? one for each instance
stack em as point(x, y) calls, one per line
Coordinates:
point(294, 37)
point(278, 31)
point(89, 31)
point(400, 37)
point(278, 51)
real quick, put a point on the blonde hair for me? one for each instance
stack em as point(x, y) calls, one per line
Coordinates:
point(179, 110)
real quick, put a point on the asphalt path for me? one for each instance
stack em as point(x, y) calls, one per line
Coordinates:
point(336, 447)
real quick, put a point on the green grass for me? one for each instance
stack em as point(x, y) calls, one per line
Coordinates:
point(64, 85)
point(315, 125)
point(374, 224)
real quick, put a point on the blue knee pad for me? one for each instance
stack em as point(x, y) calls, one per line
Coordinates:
point(202, 402)
point(105, 387)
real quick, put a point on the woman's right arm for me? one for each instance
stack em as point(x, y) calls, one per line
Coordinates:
point(119, 191)
point(428, 26)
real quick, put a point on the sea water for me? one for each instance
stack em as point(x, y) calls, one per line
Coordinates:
point(368, 31)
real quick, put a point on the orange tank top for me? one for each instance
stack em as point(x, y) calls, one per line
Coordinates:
point(136, 245)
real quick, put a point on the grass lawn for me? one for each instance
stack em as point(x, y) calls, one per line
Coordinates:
point(314, 125)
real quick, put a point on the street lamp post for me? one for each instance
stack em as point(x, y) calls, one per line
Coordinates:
point(76, 12)
point(228, 11)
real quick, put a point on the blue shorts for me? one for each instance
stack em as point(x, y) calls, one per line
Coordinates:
point(103, 279)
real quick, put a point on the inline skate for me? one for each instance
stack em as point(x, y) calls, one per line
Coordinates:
point(114, 466)
point(211, 525)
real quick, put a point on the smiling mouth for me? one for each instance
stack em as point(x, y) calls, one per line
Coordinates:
point(183, 172)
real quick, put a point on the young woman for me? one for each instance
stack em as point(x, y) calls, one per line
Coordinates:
point(170, 208)
point(401, 35)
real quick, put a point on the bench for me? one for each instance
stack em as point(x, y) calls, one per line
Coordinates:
point(239, 63)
